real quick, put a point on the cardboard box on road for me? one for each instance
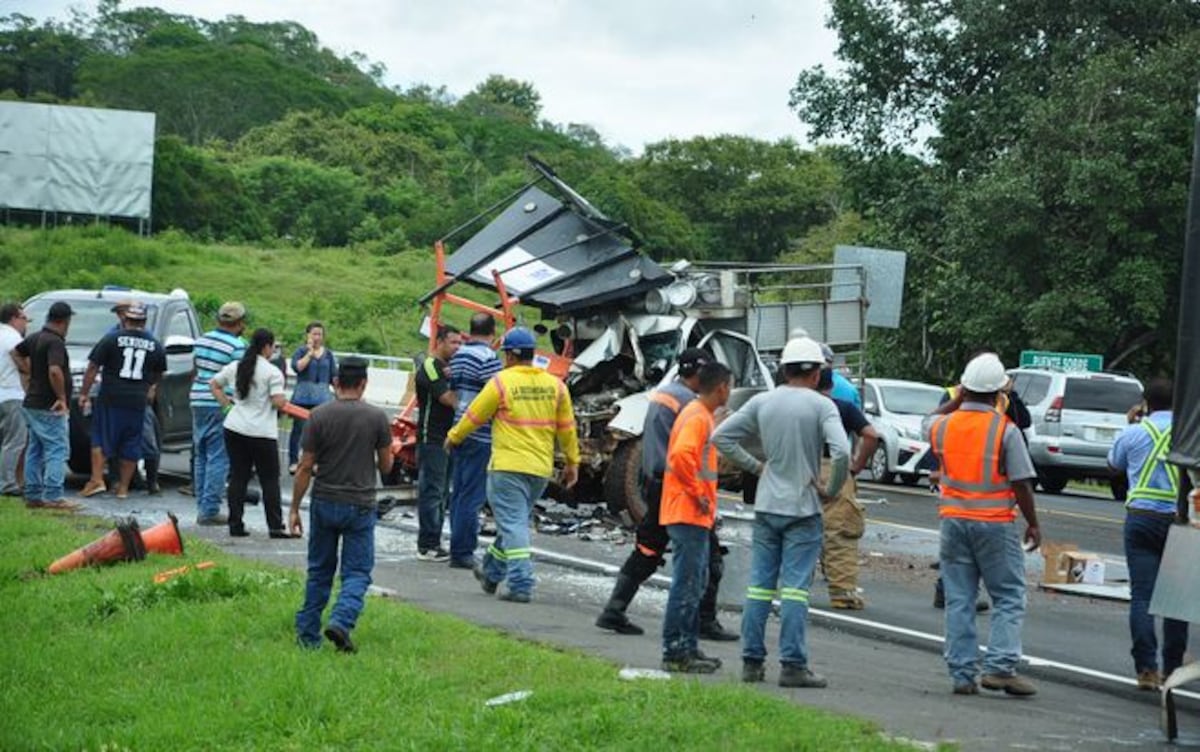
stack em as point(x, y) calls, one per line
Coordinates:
point(1065, 564)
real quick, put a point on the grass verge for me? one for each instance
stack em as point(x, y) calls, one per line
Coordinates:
point(104, 659)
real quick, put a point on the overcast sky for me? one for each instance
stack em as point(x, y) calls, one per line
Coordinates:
point(637, 71)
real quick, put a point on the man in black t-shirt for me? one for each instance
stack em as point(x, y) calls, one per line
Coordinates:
point(843, 515)
point(43, 356)
point(436, 402)
point(130, 362)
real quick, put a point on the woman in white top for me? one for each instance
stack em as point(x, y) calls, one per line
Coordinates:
point(252, 430)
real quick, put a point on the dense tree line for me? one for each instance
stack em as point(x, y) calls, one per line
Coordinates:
point(1031, 157)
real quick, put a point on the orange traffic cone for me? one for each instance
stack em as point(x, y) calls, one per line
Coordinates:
point(122, 544)
point(164, 538)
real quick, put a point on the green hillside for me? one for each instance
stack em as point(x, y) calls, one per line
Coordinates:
point(367, 302)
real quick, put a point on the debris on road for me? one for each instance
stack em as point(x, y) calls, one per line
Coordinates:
point(509, 698)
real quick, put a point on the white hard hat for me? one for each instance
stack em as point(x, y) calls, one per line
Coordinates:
point(984, 374)
point(802, 350)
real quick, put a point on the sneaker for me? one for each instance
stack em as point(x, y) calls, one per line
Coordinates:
point(153, 489)
point(512, 597)
point(795, 676)
point(615, 621)
point(688, 664)
point(966, 688)
point(1013, 685)
point(1149, 679)
point(60, 505)
point(463, 563)
point(340, 638)
point(93, 488)
point(753, 671)
point(712, 630)
point(488, 586)
point(212, 520)
point(292, 468)
point(187, 490)
point(437, 555)
point(239, 532)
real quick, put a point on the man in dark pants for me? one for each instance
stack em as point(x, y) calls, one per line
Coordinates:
point(652, 539)
point(437, 402)
point(351, 441)
point(1141, 452)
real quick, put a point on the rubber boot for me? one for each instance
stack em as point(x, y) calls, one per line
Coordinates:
point(613, 617)
point(152, 486)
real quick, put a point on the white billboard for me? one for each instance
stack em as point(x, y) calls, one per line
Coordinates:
point(83, 160)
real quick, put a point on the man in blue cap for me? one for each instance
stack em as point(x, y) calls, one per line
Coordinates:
point(532, 409)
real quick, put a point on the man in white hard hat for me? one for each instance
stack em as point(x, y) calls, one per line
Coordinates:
point(986, 474)
point(794, 422)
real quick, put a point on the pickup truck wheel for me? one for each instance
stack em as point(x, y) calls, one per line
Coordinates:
point(623, 481)
point(879, 465)
point(910, 479)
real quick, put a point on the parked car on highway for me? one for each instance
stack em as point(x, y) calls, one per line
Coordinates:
point(170, 318)
point(1075, 417)
point(896, 409)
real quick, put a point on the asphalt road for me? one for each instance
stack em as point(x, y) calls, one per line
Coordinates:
point(884, 662)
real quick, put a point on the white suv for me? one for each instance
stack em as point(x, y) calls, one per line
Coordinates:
point(1075, 417)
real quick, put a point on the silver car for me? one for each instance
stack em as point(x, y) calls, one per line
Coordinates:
point(896, 409)
point(1075, 417)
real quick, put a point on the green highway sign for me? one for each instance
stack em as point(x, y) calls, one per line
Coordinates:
point(1062, 361)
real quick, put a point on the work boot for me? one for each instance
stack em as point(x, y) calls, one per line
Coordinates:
point(613, 617)
point(688, 664)
point(1149, 679)
point(753, 671)
point(1013, 685)
point(712, 630)
point(792, 675)
point(700, 656)
point(152, 487)
point(846, 600)
point(488, 586)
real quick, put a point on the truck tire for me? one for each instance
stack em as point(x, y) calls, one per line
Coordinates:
point(623, 481)
point(1052, 481)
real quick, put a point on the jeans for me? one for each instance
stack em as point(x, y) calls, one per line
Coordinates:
point(689, 576)
point(510, 556)
point(211, 462)
point(1145, 539)
point(354, 526)
point(433, 461)
point(261, 455)
point(294, 438)
point(784, 554)
point(45, 455)
point(13, 434)
point(469, 462)
point(971, 550)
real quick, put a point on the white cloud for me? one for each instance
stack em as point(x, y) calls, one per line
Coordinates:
point(637, 71)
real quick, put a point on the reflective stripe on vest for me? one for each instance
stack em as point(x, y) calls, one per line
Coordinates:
point(1157, 457)
point(971, 477)
point(666, 400)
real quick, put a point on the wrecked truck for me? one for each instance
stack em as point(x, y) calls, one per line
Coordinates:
point(616, 320)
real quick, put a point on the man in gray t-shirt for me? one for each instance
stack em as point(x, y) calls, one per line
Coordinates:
point(349, 442)
point(794, 422)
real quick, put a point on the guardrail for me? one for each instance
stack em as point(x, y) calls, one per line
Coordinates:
point(389, 378)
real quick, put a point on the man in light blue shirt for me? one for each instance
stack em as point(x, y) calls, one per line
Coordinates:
point(1140, 452)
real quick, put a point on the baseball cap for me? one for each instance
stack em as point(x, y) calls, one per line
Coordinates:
point(59, 311)
point(231, 312)
point(518, 338)
point(136, 311)
point(123, 304)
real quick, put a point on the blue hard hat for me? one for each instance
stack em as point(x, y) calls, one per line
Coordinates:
point(518, 338)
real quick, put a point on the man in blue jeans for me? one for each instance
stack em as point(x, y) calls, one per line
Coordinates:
point(795, 422)
point(1141, 452)
point(43, 356)
point(471, 368)
point(352, 442)
point(210, 465)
